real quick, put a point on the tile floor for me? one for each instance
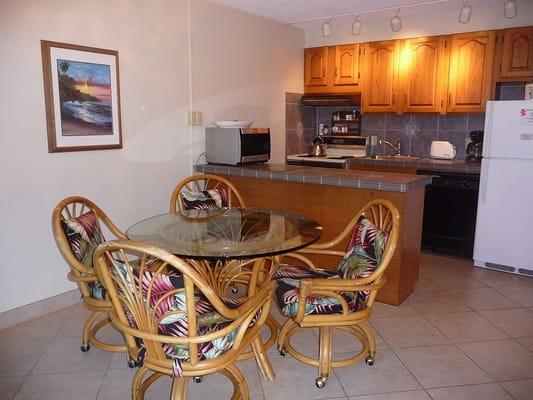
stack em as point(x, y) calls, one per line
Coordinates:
point(465, 333)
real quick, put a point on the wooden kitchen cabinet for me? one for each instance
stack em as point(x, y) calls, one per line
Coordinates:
point(470, 71)
point(316, 67)
point(381, 76)
point(346, 65)
point(333, 69)
point(423, 74)
point(517, 53)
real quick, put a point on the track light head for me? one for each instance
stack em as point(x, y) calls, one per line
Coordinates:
point(510, 9)
point(357, 25)
point(396, 22)
point(326, 28)
point(465, 13)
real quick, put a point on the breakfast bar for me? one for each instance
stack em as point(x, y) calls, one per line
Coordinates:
point(332, 197)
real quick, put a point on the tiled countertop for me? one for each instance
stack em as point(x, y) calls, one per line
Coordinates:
point(428, 164)
point(386, 181)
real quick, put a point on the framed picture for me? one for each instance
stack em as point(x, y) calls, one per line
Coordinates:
point(81, 90)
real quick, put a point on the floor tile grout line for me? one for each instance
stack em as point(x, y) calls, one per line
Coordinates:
point(492, 323)
point(407, 368)
point(505, 390)
point(508, 298)
point(467, 356)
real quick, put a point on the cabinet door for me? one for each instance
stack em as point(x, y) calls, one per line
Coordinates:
point(470, 75)
point(346, 64)
point(517, 57)
point(381, 76)
point(316, 66)
point(422, 74)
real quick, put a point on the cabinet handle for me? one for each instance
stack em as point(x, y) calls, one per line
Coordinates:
point(449, 98)
point(335, 71)
point(323, 72)
point(442, 103)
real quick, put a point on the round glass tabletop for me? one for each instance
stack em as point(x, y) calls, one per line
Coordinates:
point(227, 233)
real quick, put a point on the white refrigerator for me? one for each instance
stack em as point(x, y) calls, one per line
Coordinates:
point(504, 225)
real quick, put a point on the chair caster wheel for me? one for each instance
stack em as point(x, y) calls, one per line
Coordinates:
point(85, 347)
point(282, 351)
point(369, 360)
point(320, 382)
point(197, 379)
point(132, 363)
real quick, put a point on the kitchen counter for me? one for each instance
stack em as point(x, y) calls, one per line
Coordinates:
point(427, 164)
point(332, 197)
point(383, 181)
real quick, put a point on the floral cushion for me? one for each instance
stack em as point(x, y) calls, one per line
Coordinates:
point(84, 235)
point(363, 256)
point(214, 198)
point(288, 278)
point(364, 253)
point(173, 321)
point(97, 290)
point(365, 248)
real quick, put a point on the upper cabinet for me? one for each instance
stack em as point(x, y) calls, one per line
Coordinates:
point(346, 65)
point(517, 53)
point(438, 74)
point(470, 73)
point(316, 66)
point(423, 67)
point(380, 74)
point(333, 69)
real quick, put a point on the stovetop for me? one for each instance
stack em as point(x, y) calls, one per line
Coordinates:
point(338, 150)
point(332, 161)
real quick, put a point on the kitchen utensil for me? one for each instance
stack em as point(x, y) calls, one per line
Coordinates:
point(319, 148)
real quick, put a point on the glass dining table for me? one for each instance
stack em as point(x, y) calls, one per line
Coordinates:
point(231, 247)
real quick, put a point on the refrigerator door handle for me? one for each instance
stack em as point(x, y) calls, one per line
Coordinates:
point(483, 183)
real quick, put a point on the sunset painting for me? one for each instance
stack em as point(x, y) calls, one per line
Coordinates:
point(85, 98)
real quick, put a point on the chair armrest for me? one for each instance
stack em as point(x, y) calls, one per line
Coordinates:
point(331, 288)
point(310, 286)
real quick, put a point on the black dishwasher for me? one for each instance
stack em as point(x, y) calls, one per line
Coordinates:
point(450, 208)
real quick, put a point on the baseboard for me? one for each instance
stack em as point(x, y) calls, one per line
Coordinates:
point(39, 308)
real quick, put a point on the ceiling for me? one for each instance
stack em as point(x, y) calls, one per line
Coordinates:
point(291, 11)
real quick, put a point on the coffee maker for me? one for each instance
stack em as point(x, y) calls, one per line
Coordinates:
point(475, 147)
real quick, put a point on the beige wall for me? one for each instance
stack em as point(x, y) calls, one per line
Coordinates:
point(242, 67)
point(129, 184)
point(434, 21)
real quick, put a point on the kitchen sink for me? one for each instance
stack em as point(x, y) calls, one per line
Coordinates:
point(396, 157)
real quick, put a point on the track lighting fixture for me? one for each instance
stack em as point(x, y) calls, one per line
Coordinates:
point(396, 22)
point(356, 26)
point(326, 28)
point(465, 13)
point(510, 8)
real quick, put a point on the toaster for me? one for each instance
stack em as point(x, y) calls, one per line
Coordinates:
point(442, 150)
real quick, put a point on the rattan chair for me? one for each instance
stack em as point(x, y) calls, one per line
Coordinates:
point(77, 232)
point(182, 326)
point(341, 298)
point(197, 184)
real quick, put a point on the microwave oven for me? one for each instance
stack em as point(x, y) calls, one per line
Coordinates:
point(237, 145)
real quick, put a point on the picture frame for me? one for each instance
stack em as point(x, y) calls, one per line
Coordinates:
point(82, 97)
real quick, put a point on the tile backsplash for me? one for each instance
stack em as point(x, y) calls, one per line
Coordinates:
point(301, 124)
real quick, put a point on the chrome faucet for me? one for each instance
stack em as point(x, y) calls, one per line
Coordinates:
point(397, 148)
